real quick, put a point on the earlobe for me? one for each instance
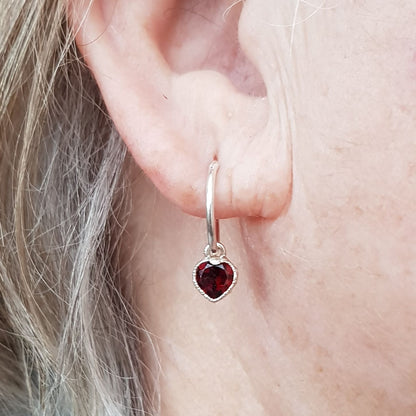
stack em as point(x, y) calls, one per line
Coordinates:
point(177, 117)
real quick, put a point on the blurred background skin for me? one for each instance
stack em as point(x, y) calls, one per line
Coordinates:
point(323, 318)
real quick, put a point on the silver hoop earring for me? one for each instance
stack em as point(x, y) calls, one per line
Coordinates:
point(214, 276)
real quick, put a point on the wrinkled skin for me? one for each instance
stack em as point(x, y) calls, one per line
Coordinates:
point(323, 319)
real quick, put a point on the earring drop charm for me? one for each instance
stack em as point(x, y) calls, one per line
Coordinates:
point(214, 276)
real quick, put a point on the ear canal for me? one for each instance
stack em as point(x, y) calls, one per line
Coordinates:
point(203, 37)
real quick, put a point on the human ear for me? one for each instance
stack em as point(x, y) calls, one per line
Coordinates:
point(172, 74)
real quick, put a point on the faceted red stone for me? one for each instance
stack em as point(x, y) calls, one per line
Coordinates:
point(214, 279)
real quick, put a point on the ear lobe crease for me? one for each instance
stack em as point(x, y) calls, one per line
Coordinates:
point(181, 93)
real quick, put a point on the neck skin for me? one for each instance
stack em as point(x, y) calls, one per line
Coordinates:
point(216, 358)
point(293, 338)
point(321, 321)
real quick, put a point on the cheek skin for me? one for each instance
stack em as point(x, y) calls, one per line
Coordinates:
point(344, 270)
point(412, 68)
point(366, 327)
point(342, 312)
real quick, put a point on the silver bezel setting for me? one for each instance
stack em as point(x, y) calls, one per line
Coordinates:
point(215, 260)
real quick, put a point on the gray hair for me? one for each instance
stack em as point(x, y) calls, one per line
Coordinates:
point(70, 343)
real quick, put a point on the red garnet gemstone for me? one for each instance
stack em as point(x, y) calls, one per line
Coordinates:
point(214, 279)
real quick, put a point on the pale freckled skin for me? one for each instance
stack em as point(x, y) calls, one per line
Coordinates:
point(322, 320)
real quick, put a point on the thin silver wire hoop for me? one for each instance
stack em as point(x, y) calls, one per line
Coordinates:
point(213, 229)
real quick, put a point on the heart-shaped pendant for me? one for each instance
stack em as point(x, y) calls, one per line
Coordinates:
point(214, 277)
